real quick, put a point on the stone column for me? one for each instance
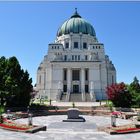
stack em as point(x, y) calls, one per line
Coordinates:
point(58, 97)
point(83, 84)
point(82, 80)
point(69, 80)
point(92, 94)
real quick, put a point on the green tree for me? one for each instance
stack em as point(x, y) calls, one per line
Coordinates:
point(135, 86)
point(3, 93)
point(134, 89)
point(16, 85)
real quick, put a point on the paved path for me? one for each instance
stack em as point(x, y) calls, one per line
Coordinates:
point(85, 104)
point(58, 130)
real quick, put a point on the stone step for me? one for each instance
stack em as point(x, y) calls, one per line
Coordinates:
point(76, 97)
point(63, 98)
point(87, 97)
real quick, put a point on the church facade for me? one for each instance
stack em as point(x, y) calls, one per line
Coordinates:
point(76, 67)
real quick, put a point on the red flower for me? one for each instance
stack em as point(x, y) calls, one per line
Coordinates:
point(127, 129)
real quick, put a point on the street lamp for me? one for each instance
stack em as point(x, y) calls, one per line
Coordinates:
point(113, 120)
point(28, 109)
point(9, 115)
point(30, 121)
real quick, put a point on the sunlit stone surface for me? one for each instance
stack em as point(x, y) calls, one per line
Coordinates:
point(75, 64)
point(58, 130)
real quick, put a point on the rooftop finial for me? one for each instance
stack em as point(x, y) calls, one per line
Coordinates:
point(75, 10)
point(75, 15)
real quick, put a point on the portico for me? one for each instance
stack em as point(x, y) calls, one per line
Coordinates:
point(75, 80)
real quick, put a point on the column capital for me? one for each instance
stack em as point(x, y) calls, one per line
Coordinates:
point(82, 68)
point(69, 68)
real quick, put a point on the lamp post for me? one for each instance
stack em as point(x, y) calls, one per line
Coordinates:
point(113, 120)
point(28, 109)
point(9, 115)
point(30, 120)
point(50, 102)
point(138, 114)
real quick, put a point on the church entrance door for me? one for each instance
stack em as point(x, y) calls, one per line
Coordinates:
point(75, 88)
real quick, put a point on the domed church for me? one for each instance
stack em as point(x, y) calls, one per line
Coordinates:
point(75, 68)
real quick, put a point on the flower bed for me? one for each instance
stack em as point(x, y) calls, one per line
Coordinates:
point(128, 130)
point(8, 124)
point(117, 114)
point(131, 128)
point(21, 114)
point(11, 125)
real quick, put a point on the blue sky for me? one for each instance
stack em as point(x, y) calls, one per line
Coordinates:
point(26, 29)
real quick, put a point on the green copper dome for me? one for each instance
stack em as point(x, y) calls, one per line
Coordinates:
point(76, 24)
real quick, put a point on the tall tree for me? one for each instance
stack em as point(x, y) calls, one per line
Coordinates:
point(135, 86)
point(16, 85)
point(3, 66)
point(134, 89)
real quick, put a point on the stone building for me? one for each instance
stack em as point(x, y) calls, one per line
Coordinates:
point(75, 67)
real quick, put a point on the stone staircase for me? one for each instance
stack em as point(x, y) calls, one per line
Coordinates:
point(87, 97)
point(63, 98)
point(75, 97)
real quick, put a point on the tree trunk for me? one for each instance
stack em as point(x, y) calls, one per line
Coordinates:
point(1, 119)
point(2, 101)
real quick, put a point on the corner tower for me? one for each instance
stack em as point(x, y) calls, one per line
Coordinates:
point(75, 67)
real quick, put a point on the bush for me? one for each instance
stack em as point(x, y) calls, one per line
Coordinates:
point(134, 89)
point(110, 105)
point(42, 107)
point(119, 95)
point(1, 111)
